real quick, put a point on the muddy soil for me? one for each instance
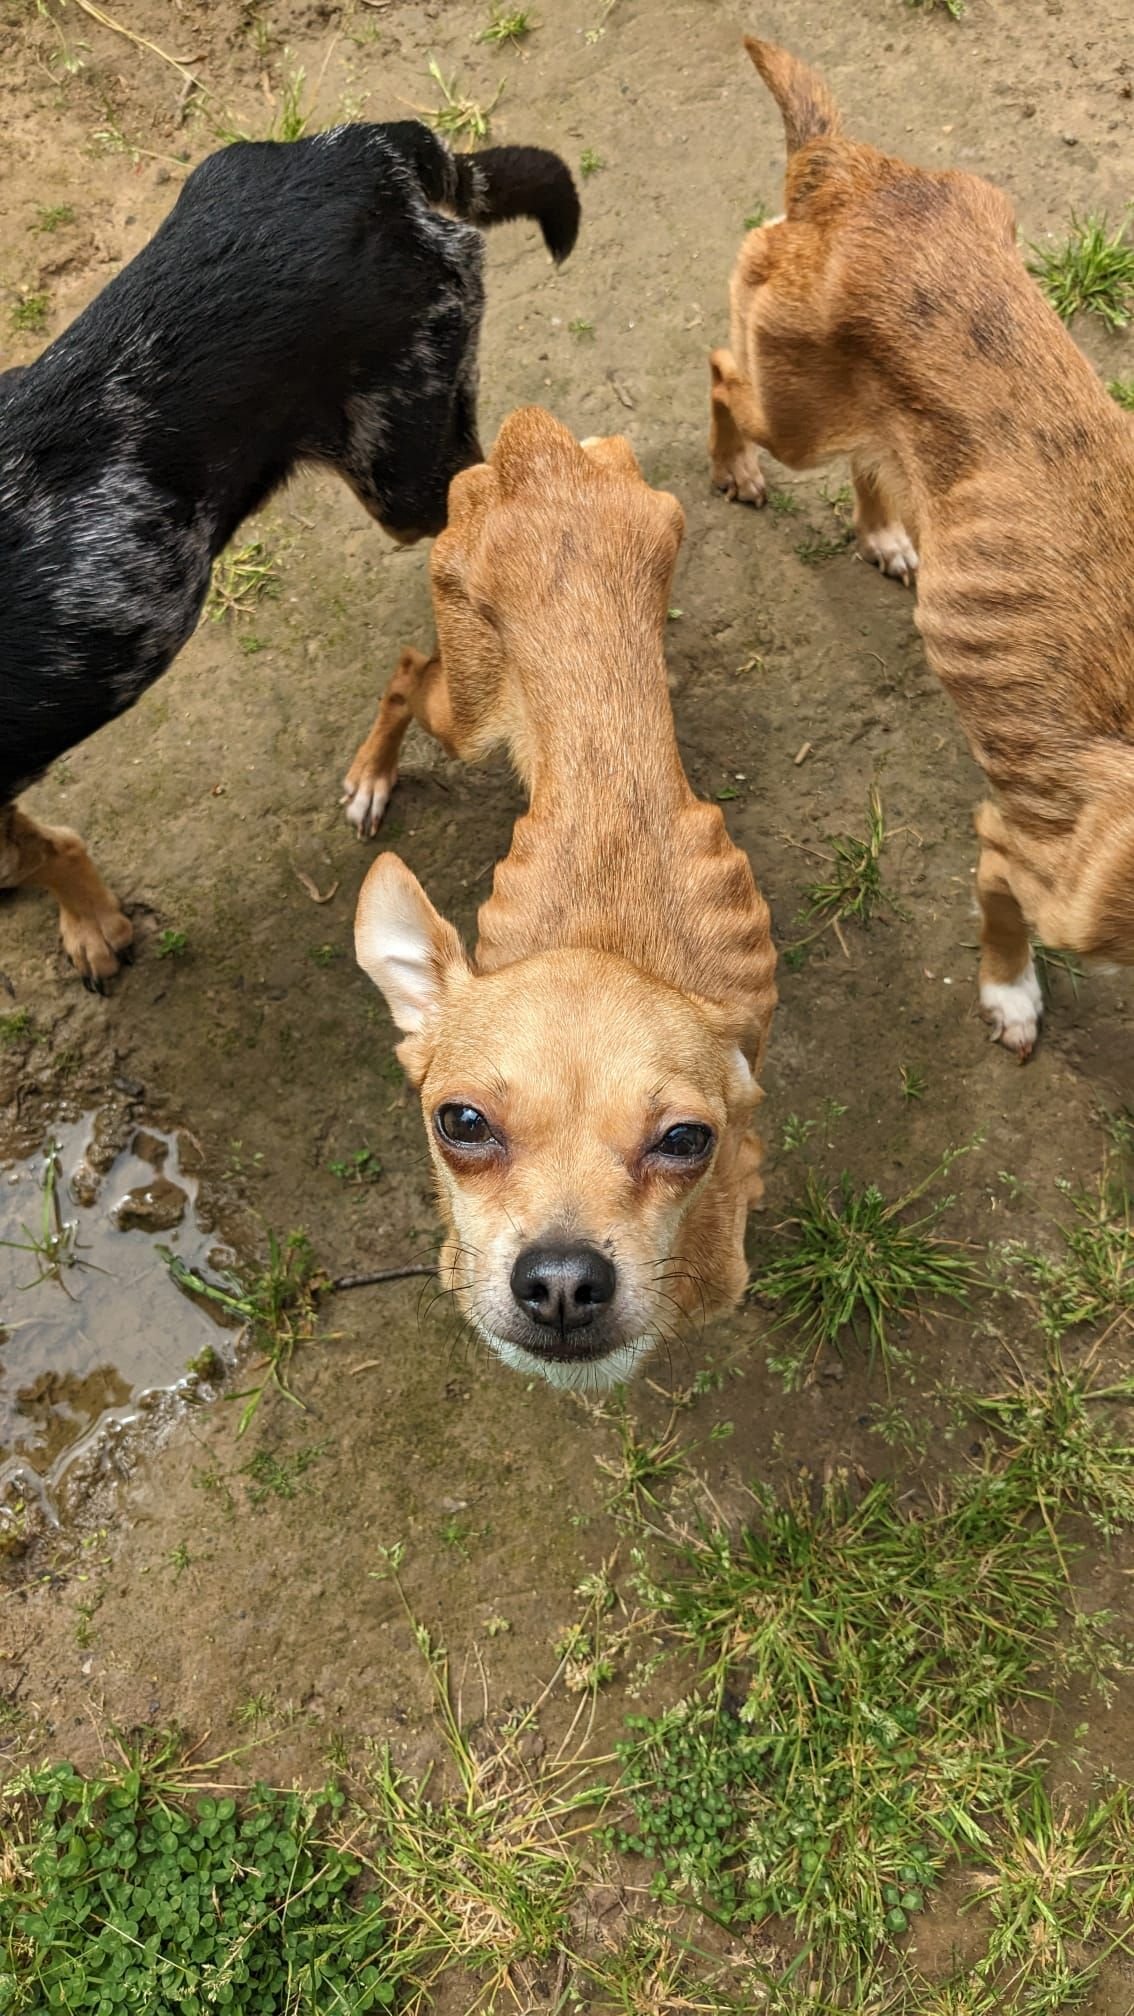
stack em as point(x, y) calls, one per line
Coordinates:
point(177, 1592)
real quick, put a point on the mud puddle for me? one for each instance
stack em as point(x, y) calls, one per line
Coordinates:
point(93, 1329)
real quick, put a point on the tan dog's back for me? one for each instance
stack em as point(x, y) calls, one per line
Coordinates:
point(889, 316)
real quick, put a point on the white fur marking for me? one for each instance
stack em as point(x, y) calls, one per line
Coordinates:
point(1014, 1009)
point(575, 1374)
point(891, 549)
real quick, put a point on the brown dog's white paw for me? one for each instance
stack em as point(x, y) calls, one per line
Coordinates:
point(366, 794)
point(97, 945)
point(741, 477)
point(890, 548)
point(1014, 1010)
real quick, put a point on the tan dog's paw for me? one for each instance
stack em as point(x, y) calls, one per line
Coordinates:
point(741, 477)
point(1014, 1009)
point(890, 548)
point(366, 794)
point(97, 945)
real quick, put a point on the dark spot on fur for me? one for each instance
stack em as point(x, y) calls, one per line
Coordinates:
point(925, 306)
point(994, 332)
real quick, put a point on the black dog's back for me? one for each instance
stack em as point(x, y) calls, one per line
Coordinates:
point(303, 300)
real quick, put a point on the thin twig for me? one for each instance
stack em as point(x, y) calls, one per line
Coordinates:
point(383, 1274)
point(140, 41)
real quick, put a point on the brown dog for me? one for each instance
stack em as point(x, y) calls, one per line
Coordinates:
point(587, 1082)
point(889, 317)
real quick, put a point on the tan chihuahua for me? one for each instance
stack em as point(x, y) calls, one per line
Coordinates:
point(587, 1082)
point(889, 317)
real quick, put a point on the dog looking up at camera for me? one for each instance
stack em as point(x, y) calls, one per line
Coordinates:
point(890, 317)
point(588, 1079)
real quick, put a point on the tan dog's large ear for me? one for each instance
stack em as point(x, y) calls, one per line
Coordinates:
point(410, 952)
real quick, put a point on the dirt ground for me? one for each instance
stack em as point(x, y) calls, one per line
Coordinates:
point(168, 1595)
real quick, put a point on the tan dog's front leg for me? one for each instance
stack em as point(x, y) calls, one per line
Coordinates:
point(736, 431)
point(1010, 996)
point(882, 538)
point(417, 692)
point(95, 931)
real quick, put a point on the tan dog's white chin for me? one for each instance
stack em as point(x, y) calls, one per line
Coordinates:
point(580, 1375)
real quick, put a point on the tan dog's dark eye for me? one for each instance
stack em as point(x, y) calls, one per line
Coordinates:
point(464, 1126)
point(689, 1142)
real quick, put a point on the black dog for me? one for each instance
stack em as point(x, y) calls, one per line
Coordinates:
point(303, 301)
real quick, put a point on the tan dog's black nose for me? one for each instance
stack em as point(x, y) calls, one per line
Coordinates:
point(563, 1287)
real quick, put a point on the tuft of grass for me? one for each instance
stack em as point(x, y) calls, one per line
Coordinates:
point(1092, 272)
point(954, 8)
point(853, 889)
point(915, 1084)
point(129, 1890)
point(508, 24)
point(291, 120)
point(1122, 389)
point(172, 944)
point(459, 117)
point(28, 315)
point(847, 1735)
point(1092, 1279)
point(275, 1306)
point(582, 330)
point(640, 1466)
point(51, 217)
point(757, 216)
point(243, 576)
point(848, 1260)
point(590, 162)
point(1056, 1450)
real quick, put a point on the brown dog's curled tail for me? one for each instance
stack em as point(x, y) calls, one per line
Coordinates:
point(809, 111)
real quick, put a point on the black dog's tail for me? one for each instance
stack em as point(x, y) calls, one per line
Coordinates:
point(497, 185)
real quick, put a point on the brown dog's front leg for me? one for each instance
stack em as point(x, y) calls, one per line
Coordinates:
point(736, 427)
point(417, 692)
point(95, 931)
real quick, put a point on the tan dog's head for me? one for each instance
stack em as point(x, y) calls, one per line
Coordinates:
point(588, 1129)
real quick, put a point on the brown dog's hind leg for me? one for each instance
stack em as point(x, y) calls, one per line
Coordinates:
point(1010, 996)
point(882, 538)
point(95, 931)
point(736, 430)
point(417, 692)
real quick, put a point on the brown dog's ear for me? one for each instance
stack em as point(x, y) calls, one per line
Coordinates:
point(410, 952)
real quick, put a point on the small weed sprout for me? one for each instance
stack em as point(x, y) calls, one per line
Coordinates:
point(54, 1243)
point(276, 1309)
point(457, 117)
point(853, 889)
point(51, 217)
point(508, 24)
point(16, 1027)
point(580, 328)
point(915, 1084)
point(1092, 272)
point(640, 1466)
point(590, 162)
point(757, 216)
point(954, 8)
point(172, 944)
point(28, 316)
point(1122, 389)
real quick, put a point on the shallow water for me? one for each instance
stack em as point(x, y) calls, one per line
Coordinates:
point(90, 1321)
